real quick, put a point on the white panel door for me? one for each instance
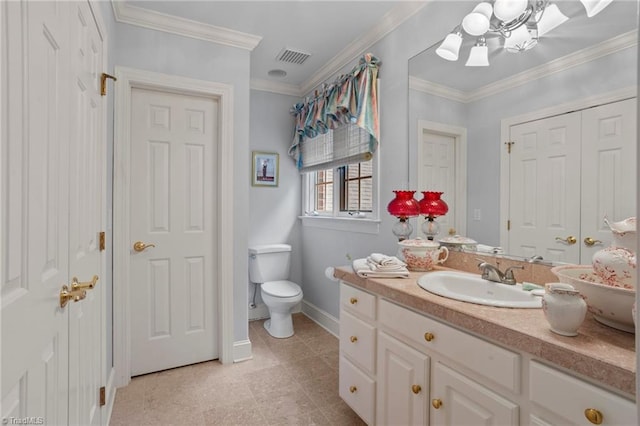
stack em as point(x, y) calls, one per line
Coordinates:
point(35, 208)
point(437, 172)
point(609, 183)
point(173, 197)
point(85, 200)
point(403, 384)
point(465, 402)
point(544, 199)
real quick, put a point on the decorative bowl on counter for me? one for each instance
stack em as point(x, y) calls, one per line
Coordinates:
point(458, 242)
point(422, 255)
point(609, 305)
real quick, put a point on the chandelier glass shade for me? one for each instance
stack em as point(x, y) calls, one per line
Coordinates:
point(517, 23)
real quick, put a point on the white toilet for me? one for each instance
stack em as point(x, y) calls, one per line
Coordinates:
point(269, 267)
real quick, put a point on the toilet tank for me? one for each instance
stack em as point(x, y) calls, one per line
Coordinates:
point(269, 262)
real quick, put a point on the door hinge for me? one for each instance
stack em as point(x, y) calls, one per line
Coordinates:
point(103, 396)
point(103, 83)
point(102, 239)
point(508, 144)
point(509, 225)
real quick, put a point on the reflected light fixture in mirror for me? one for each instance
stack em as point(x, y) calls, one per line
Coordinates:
point(518, 23)
point(432, 206)
point(403, 206)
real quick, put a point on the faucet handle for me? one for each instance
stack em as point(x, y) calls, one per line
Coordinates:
point(508, 274)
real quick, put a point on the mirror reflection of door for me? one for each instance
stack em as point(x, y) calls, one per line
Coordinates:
point(567, 173)
point(442, 168)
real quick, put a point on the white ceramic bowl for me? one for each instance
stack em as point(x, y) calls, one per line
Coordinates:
point(609, 305)
point(422, 255)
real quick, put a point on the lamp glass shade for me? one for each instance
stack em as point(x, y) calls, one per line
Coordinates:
point(450, 47)
point(403, 205)
point(477, 23)
point(551, 18)
point(478, 57)
point(508, 10)
point(432, 204)
point(593, 7)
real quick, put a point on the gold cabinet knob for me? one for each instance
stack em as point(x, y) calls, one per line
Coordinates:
point(66, 295)
point(437, 403)
point(353, 339)
point(89, 285)
point(593, 415)
point(590, 242)
point(353, 300)
point(570, 240)
point(140, 246)
point(416, 389)
point(429, 336)
point(353, 389)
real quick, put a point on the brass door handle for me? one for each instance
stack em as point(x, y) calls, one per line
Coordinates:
point(593, 415)
point(437, 403)
point(66, 295)
point(590, 241)
point(89, 285)
point(416, 389)
point(140, 246)
point(570, 240)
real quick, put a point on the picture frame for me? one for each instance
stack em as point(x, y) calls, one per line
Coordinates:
point(265, 169)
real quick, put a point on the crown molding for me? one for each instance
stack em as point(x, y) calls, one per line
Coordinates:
point(388, 23)
point(276, 87)
point(128, 14)
point(607, 47)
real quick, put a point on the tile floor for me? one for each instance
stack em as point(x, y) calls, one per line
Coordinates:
point(290, 381)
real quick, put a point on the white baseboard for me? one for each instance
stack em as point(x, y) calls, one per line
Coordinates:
point(242, 350)
point(324, 319)
point(110, 391)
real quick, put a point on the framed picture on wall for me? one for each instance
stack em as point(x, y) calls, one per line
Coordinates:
point(265, 169)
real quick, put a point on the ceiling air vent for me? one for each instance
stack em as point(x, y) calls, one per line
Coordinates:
point(292, 56)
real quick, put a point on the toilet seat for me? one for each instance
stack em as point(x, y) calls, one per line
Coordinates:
point(282, 288)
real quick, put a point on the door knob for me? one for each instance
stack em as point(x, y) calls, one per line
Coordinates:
point(89, 285)
point(140, 246)
point(590, 241)
point(570, 240)
point(66, 295)
point(437, 403)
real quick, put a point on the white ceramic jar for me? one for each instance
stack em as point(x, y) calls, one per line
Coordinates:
point(564, 308)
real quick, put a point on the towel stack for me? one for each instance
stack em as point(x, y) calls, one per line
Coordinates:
point(380, 265)
point(482, 248)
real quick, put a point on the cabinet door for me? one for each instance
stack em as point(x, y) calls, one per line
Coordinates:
point(403, 383)
point(457, 400)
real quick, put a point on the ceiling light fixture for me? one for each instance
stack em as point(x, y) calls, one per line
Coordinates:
point(518, 23)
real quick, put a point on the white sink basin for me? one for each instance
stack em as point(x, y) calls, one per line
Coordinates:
point(473, 289)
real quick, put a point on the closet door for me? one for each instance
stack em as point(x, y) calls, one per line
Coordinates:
point(544, 199)
point(608, 171)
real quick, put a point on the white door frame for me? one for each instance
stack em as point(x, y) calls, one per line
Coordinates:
point(127, 79)
point(506, 123)
point(460, 136)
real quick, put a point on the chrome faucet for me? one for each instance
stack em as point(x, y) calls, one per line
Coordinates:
point(493, 273)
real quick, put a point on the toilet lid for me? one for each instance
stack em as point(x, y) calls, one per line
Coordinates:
point(281, 288)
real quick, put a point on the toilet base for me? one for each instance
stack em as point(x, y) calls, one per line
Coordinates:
point(279, 326)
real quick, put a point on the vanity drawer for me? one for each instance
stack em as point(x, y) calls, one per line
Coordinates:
point(568, 397)
point(357, 390)
point(491, 361)
point(358, 301)
point(358, 340)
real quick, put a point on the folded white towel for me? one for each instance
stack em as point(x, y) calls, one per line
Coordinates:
point(362, 268)
point(482, 248)
point(389, 267)
point(384, 260)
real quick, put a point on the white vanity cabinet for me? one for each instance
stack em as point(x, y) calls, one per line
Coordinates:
point(558, 398)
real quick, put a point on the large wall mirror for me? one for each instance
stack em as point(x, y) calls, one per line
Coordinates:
point(535, 149)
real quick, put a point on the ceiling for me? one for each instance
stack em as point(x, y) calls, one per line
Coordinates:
point(334, 33)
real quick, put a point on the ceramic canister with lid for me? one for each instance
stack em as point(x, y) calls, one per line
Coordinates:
point(564, 308)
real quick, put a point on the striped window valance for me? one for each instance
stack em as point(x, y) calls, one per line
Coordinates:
point(339, 125)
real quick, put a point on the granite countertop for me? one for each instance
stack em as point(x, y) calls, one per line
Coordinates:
point(601, 353)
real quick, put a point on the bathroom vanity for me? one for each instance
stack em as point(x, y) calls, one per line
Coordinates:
point(411, 357)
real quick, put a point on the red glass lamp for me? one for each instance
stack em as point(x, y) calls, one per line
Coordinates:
point(403, 207)
point(432, 206)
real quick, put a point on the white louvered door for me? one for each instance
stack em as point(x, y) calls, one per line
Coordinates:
point(173, 196)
